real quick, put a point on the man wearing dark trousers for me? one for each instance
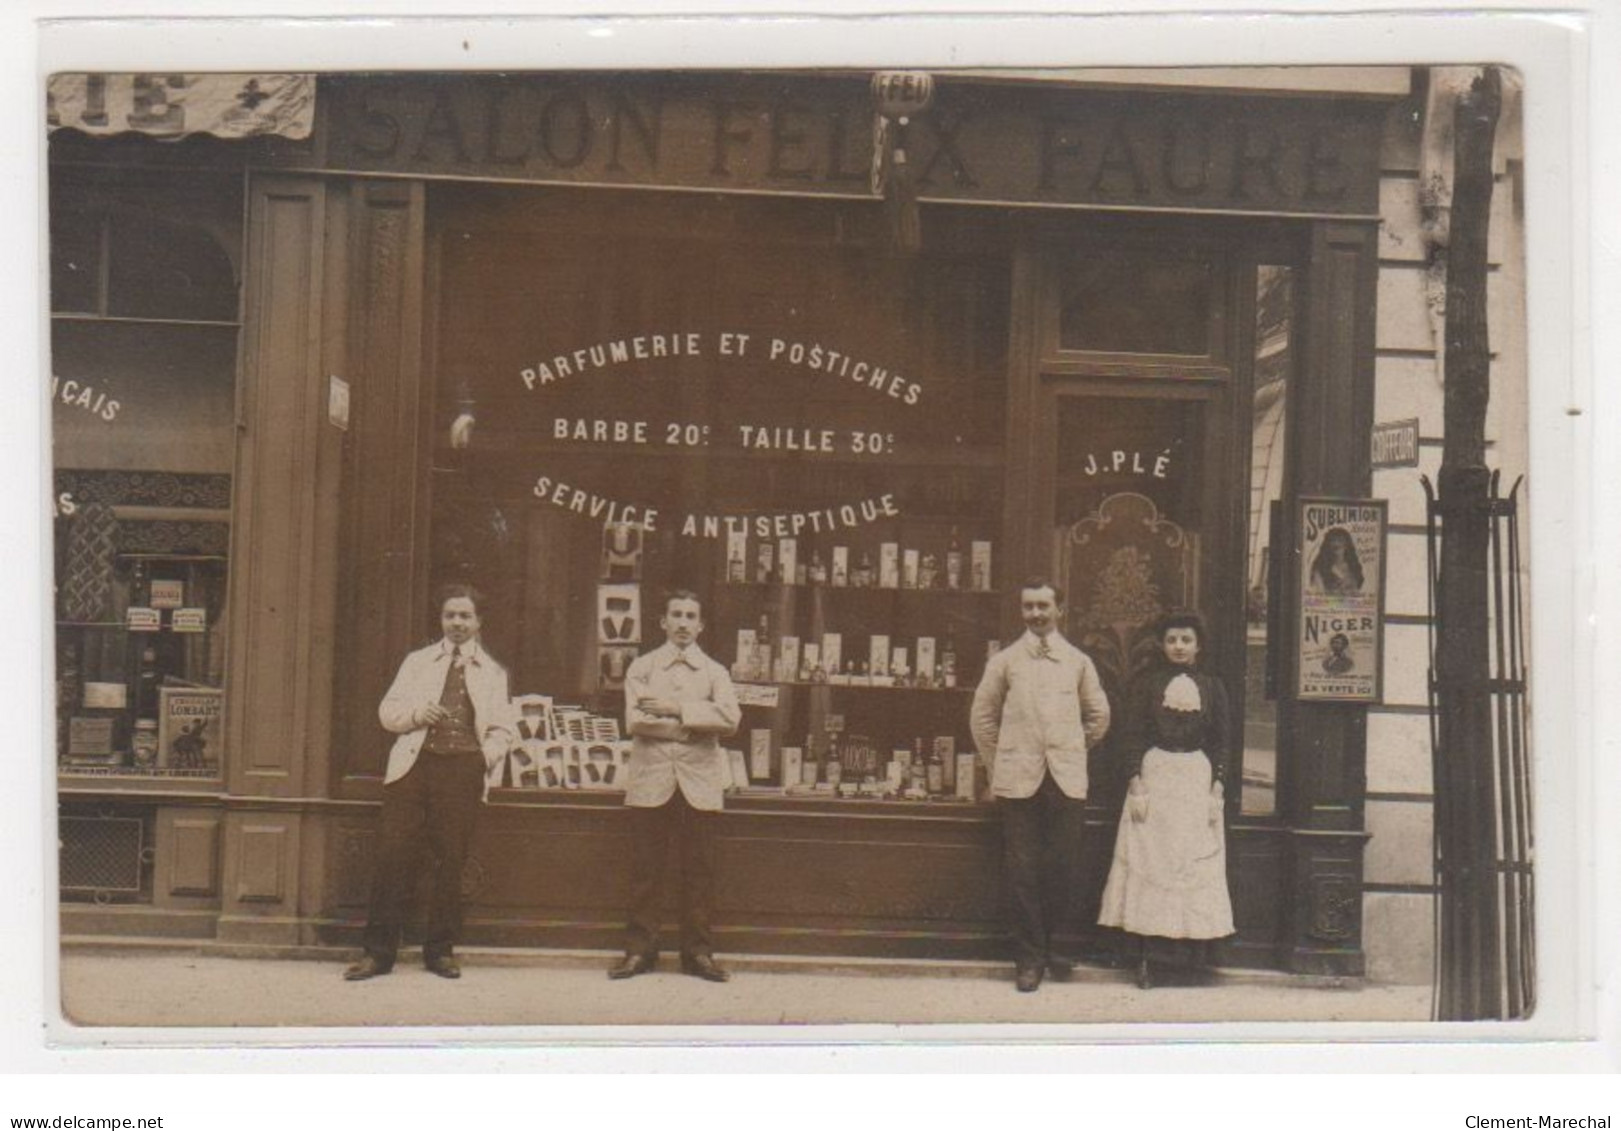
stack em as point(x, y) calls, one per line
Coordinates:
point(678, 704)
point(1038, 708)
point(451, 709)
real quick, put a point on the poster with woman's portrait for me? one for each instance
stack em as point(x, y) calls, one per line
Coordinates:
point(1342, 545)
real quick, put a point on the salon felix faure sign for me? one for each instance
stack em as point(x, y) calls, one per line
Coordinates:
point(814, 136)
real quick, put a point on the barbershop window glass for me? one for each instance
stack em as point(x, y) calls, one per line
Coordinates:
point(774, 426)
point(144, 324)
point(1274, 363)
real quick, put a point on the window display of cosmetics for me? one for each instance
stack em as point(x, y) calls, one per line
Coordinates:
point(784, 560)
point(930, 664)
point(535, 764)
point(852, 765)
point(561, 746)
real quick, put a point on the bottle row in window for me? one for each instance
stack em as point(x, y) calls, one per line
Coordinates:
point(845, 764)
point(788, 561)
point(929, 662)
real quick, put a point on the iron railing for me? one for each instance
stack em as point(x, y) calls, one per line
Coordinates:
point(1485, 924)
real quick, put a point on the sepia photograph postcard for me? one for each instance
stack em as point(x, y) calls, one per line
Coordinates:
point(721, 546)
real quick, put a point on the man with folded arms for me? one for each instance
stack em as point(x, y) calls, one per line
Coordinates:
point(678, 704)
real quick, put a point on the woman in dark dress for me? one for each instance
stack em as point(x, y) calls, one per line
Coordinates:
point(1169, 876)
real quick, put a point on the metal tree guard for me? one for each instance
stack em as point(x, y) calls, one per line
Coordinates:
point(1485, 919)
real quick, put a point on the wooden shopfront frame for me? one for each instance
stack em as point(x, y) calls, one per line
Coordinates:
point(335, 524)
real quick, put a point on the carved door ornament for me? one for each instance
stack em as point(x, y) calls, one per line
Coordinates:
point(1123, 566)
point(1335, 901)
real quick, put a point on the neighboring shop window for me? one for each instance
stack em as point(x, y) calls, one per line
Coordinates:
point(1274, 361)
point(817, 423)
point(143, 360)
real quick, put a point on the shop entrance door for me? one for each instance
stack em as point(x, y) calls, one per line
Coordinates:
point(1137, 529)
point(1153, 461)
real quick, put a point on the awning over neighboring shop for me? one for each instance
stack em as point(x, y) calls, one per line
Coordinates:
point(180, 105)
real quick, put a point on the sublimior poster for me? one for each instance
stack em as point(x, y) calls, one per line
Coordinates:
point(1342, 554)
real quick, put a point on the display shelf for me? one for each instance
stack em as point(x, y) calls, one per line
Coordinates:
point(959, 690)
point(162, 556)
point(772, 796)
point(111, 625)
point(71, 779)
point(932, 591)
point(135, 320)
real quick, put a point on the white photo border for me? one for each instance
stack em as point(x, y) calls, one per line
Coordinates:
point(1571, 594)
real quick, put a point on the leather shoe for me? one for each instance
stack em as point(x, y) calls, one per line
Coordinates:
point(703, 966)
point(444, 965)
point(632, 965)
point(367, 967)
point(1028, 978)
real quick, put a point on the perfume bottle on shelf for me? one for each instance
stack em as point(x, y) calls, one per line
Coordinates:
point(863, 577)
point(146, 685)
point(980, 565)
point(763, 650)
point(889, 565)
point(954, 562)
point(788, 560)
point(928, 572)
point(936, 772)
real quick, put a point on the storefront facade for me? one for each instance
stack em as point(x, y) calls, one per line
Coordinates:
point(578, 339)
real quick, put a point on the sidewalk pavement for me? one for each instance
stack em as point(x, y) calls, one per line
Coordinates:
point(130, 983)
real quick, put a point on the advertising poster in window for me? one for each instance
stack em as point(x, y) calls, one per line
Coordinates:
point(1342, 556)
point(189, 736)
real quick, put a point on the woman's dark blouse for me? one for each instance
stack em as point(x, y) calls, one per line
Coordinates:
point(1150, 723)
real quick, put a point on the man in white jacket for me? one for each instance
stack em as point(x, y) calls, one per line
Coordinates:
point(1039, 708)
point(678, 705)
point(451, 709)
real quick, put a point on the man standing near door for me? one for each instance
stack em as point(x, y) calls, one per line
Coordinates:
point(1039, 707)
point(451, 709)
point(678, 704)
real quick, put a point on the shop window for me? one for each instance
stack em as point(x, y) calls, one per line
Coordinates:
point(1115, 303)
point(831, 486)
point(77, 254)
point(1274, 362)
point(143, 356)
point(158, 268)
point(140, 630)
point(144, 248)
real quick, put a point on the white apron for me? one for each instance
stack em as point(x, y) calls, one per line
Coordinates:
point(1169, 877)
